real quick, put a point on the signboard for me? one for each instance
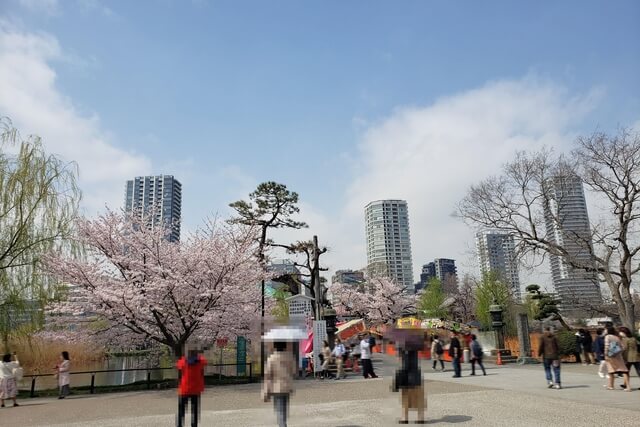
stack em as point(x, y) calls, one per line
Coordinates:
point(241, 356)
point(222, 342)
point(319, 335)
point(300, 306)
point(409, 322)
point(412, 322)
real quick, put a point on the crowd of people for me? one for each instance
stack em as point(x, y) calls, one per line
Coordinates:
point(614, 350)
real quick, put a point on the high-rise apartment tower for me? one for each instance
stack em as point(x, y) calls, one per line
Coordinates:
point(496, 253)
point(567, 225)
point(161, 195)
point(388, 240)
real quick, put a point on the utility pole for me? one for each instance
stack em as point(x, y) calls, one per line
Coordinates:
point(316, 278)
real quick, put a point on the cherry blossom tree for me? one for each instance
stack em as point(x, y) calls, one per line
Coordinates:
point(144, 289)
point(379, 300)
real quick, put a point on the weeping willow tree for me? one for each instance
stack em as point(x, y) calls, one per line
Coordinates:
point(39, 199)
point(493, 290)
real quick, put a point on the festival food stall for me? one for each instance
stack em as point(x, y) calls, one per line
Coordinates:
point(350, 329)
point(431, 327)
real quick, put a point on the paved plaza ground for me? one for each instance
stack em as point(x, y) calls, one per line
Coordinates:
point(508, 396)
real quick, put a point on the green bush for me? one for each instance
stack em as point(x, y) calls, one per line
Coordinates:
point(566, 342)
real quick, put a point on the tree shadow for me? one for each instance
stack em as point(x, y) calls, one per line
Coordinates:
point(451, 419)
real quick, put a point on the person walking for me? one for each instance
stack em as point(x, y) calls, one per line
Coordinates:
point(408, 380)
point(587, 347)
point(191, 386)
point(476, 355)
point(339, 353)
point(578, 347)
point(455, 351)
point(613, 349)
point(278, 380)
point(437, 350)
point(355, 357)
point(549, 351)
point(63, 372)
point(630, 352)
point(365, 358)
point(326, 359)
point(8, 380)
point(598, 351)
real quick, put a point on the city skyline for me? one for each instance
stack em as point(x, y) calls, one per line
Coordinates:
point(394, 102)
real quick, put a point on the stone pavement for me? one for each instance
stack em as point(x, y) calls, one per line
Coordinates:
point(508, 396)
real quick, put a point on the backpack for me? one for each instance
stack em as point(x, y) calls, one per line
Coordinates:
point(372, 342)
point(439, 349)
point(614, 349)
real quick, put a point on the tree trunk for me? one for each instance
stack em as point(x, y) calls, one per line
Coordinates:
point(563, 323)
point(5, 342)
point(627, 310)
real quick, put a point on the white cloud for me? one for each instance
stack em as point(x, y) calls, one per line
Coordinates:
point(48, 7)
point(430, 156)
point(29, 96)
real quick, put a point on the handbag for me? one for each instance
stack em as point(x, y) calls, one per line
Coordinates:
point(18, 373)
point(614, 349)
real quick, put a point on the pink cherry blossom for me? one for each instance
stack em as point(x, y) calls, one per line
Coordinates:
point(379, 300)
point(136, 287)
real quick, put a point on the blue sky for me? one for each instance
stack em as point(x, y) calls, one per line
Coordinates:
point(344, 102)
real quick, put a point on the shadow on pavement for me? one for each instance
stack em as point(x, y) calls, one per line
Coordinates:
point(574, 386)
point(452, 419)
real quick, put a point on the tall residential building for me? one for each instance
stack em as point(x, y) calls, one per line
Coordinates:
point(567, 225)
point(388, 240)
point(496, 253)
point(443, 269)
point(290, 274)
point(348, 277)
point(428, 273)
point(163, 194)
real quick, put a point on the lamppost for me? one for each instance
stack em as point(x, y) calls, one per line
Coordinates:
point(496, 322)
point(329, 315)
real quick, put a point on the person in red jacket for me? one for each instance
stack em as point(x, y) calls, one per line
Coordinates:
point(191, 374)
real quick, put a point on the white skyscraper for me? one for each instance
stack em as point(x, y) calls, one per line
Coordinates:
point(496, 253)
point(567, 225)
point(388, 239)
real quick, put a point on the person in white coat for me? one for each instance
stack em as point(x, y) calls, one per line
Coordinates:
point(63, 373)
point(8, 385)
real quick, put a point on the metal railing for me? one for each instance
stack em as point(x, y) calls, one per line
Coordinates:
point(248, 374)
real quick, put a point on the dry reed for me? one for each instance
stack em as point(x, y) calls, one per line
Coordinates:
point(38, 355)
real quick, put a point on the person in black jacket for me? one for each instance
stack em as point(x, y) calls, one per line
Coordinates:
point(455, 351)
point(408, 379)
point(598, 349)
point(587, 347)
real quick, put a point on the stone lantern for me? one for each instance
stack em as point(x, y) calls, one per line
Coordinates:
point(497, 323)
